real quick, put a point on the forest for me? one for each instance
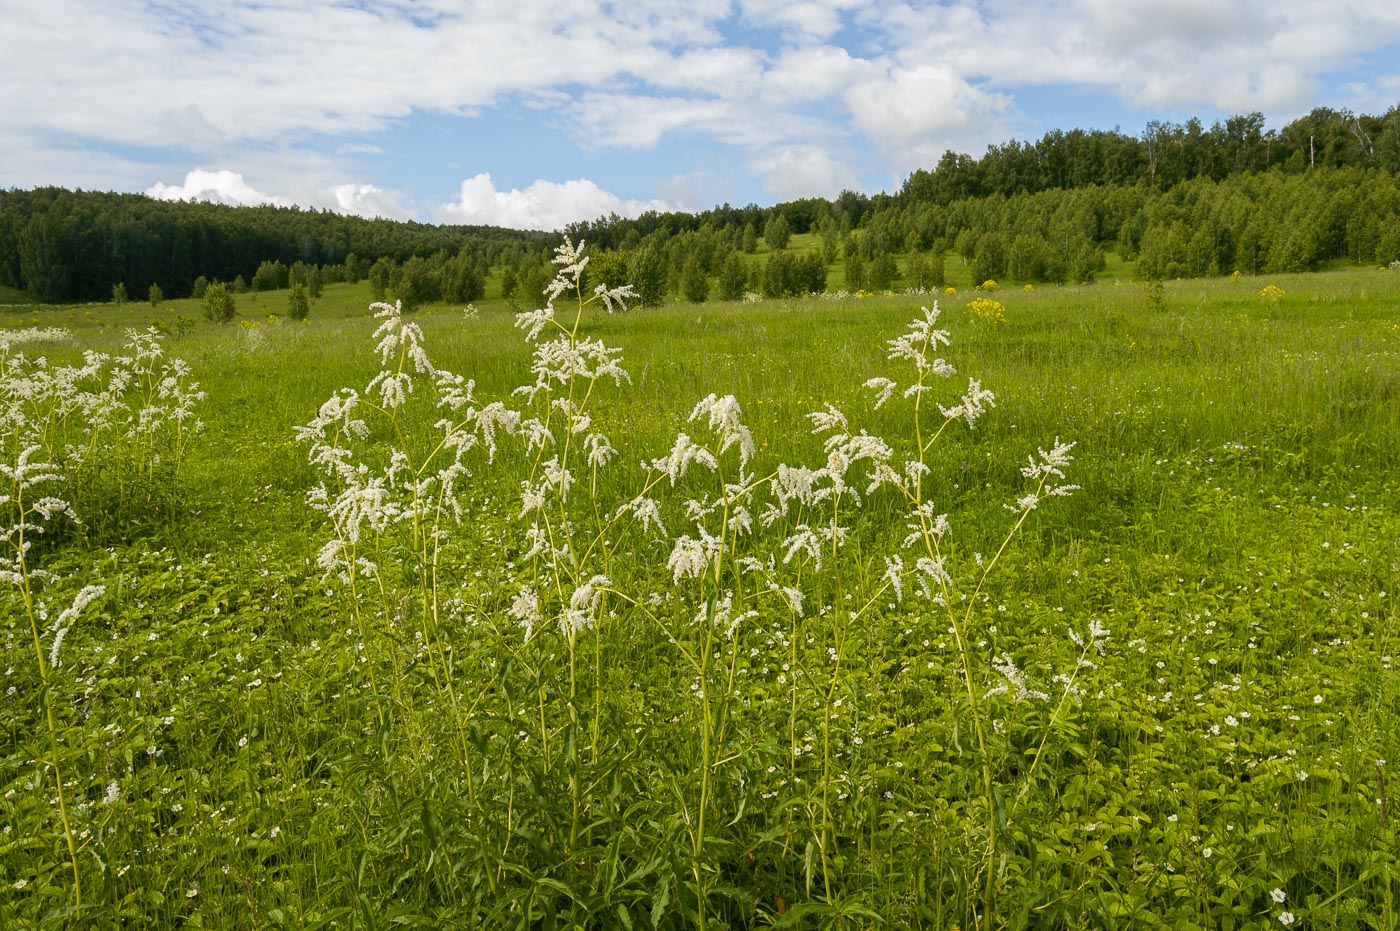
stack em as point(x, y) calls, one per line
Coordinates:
point(1179, 200)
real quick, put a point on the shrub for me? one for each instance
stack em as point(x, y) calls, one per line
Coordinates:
point(220, 306)
point(298, 302)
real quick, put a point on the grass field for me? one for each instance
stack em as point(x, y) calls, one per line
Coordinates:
point(1171, 702)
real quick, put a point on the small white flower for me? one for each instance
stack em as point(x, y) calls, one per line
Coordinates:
point(1285, 918)
point(1317, 699)
point(1278, 895)
point(1206, 853)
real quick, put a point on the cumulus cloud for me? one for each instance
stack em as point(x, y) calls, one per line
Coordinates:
point(811, 19)
point(544, 205)
point(792, 86)
point(366, 200)
point(925, 102)
point(220, 187)
point(804, 172)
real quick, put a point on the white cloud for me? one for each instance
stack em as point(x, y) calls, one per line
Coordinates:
point(220, 187)
point(634, 121)
point(114, 93)
point(812, 19)
point(544, 205)
point(919, 102)
point(366, 200)
point(804, 172)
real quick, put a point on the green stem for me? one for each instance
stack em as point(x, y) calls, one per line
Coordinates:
point(46, 693)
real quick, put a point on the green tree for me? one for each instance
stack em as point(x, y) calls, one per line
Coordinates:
point(380, 274)
point(119, 295)
point(200, 284)
point(220, 305)
point(417, 283)
point(989, 261)
point(298, 302)
point(748, 240)
point(883, 272)
point(855, 273)
point(239, 285)
point(733, 278)
point(510, 282)
point(351, 269)
point(155, 295)
point(463, 280)
point(648, 273)
point(609, 268)
point(777, 233)
point(271, 276)
point(695, 284)
point(298, 274)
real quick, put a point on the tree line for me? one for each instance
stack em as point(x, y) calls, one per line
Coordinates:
point(1180, 200)
point(62, 245)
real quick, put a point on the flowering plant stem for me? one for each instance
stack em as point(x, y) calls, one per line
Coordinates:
point(46, 683)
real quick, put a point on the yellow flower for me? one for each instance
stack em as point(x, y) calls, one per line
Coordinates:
point(987, 309)
point(1271, 293)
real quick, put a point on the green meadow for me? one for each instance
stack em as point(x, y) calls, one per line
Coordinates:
point(1167, 699)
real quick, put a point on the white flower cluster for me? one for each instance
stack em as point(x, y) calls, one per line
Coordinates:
point(135, 410)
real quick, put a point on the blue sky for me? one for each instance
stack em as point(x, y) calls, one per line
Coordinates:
point(534, 114)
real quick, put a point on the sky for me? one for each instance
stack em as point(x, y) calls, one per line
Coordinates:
point(533, 114)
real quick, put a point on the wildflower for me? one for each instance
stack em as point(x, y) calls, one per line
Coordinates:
point(1278, 895)
point(724, 615)
point(114, 793)
point(683, 454)
point(691, 557)
point(645, 510)
point(525, 608)
point(803, 541)
point(1015, 680)
point(987, 309)
point(884, 388)
point(723, 415)
point(827, 420)
point(600, 450)
point(1286, 918)
point(69, 616)
point(583, 606)
point(894, 574)
point(973, 405)
point(930, 572)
